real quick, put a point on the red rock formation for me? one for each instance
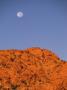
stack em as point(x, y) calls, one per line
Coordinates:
point(32, 69)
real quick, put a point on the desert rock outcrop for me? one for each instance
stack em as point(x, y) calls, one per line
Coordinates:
point(32, 69)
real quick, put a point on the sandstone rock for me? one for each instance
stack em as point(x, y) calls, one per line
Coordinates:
point(32, 69)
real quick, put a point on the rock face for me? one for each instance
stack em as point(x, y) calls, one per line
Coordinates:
point(32, 69)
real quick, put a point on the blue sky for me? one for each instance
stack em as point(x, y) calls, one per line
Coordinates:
point(44, 25)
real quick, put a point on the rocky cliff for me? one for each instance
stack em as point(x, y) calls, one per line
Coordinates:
point(32, 69)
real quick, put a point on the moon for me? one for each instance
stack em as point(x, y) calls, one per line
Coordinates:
point(20, 14)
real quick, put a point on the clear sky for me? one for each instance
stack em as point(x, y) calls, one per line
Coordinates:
point(44, 24)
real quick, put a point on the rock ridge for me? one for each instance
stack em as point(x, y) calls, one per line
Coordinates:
point(32, 69)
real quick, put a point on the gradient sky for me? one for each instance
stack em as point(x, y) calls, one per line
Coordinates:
point(44, 25)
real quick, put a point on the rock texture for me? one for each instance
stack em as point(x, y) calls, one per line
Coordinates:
point(32, 69)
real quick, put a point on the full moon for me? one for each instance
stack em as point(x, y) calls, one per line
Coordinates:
point(20, 14)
